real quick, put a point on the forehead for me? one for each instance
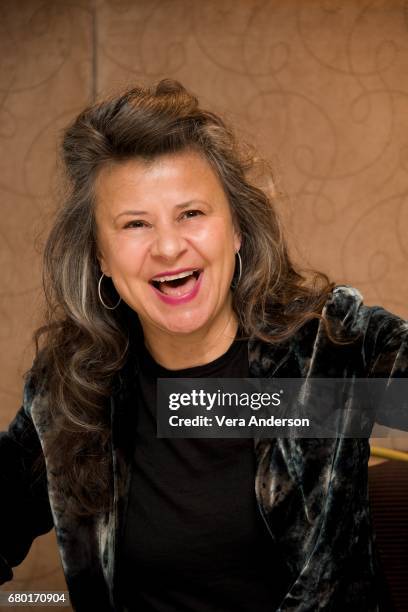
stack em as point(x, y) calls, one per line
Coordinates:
point(167, 178)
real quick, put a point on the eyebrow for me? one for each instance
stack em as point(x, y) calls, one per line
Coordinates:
point(144, 212)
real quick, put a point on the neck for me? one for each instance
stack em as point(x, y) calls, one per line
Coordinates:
point(176, 352)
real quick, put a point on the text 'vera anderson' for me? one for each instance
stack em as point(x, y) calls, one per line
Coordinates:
point(223, 421)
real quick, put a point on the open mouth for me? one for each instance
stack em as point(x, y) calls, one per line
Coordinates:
point(178, 286)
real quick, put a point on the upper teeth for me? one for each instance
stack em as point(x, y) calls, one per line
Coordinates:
point(161, 279)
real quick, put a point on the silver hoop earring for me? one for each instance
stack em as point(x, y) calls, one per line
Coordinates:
point(240, 267)
point(234, 286)
point(100, 296)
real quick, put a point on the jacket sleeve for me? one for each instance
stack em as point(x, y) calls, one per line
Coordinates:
point(25, 511)
point(387, 337)
point(337, 566)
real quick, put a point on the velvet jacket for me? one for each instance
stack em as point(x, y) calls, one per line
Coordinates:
point(312, 493)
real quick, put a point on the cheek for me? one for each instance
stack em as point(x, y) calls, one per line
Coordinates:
point(215, 237)
point(127, 258)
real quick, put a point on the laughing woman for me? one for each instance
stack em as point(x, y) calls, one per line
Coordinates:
point(165, 260)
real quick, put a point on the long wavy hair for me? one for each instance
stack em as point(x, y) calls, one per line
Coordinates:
point(82, 346)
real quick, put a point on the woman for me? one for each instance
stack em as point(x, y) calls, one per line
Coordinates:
point(167, 261)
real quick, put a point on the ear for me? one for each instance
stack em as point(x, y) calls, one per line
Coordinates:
point(102, 262)
point(237, 241)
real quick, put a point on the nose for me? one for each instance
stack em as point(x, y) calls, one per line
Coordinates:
point(168, 243)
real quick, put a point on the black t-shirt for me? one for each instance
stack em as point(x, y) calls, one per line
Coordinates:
point(194, 539)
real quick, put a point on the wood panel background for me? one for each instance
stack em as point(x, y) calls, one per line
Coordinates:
point(320, 87)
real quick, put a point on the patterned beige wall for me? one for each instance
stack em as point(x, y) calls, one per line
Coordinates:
point(320, 86)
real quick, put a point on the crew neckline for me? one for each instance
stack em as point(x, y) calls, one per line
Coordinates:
point(149, 364)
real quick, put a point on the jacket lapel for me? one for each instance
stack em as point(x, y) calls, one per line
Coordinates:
point(123, 423)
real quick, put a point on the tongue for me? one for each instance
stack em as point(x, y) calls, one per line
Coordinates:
point(186, 287)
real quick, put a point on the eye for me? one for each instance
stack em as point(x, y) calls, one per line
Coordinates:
point(135, 224)
point(189, 214)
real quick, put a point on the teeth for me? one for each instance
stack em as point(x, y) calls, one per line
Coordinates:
point(161, 279)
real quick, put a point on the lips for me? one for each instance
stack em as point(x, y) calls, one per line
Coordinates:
point(172, 273)
point(179, 287)
point(176, 283)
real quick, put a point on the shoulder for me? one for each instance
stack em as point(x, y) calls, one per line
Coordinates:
point(381, 336)
point(36, 392)
point(343, 298)
point(345, 306)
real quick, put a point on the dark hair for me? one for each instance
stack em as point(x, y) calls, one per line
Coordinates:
point(87, 345)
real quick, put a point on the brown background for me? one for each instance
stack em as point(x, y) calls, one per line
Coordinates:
point(320, 86)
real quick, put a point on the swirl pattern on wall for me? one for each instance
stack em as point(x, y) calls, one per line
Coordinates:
point(320, 87)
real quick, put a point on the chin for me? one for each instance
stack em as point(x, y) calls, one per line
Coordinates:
point(184, 325)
